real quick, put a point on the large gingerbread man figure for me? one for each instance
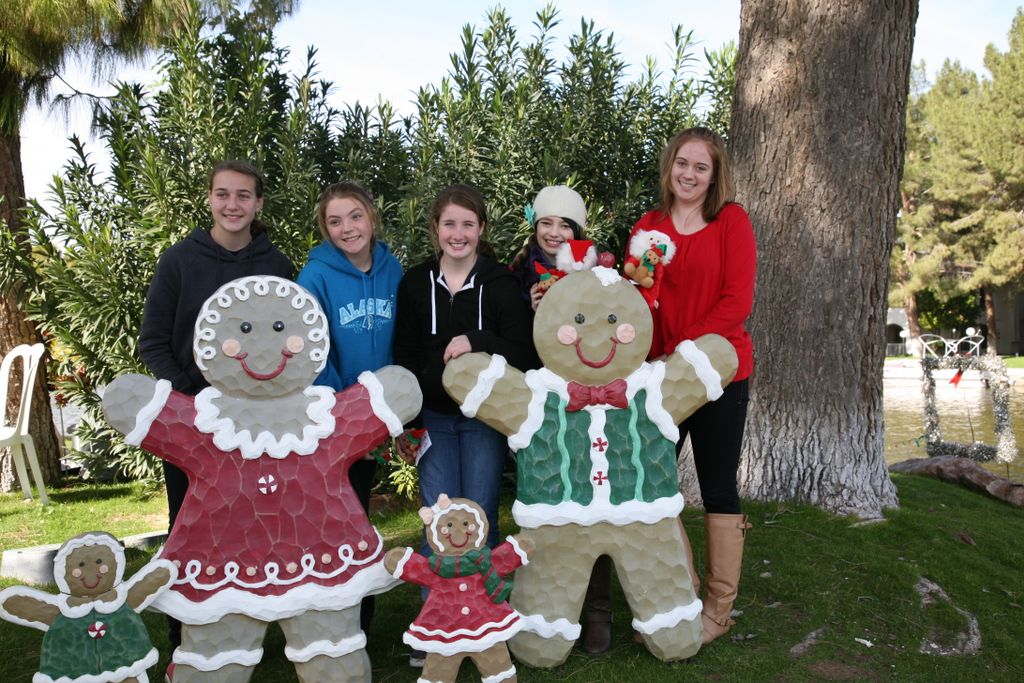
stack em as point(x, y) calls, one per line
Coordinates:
point(595, 434)
point(270, 529)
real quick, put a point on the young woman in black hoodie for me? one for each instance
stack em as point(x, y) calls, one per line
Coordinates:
point(187, 274)
point(462, 301)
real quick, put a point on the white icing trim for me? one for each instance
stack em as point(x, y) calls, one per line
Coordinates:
point(24, 591)
point(377, 401)
point(60, 560)
point(149, 412)
point(561, 627)
point(401, 563)
point(623, 514)
point(439, 512)
point(706, 372)
point(484, 385)
point(272, 570)
point(145, 572)
point(503, 676)
point(136, 670)
point(668, 619)
point(654, 381)
point(217, 661)
point(426, 680)
point(227, 436)
point(326, 648)
point(601, 494)
point(514, 542)
point(607, 276)
point(467, 642)
point(373, 579)
point(540, 382)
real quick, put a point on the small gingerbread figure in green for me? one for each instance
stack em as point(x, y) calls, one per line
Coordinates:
point(94, 633)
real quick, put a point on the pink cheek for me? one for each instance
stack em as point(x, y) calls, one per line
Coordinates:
point(625, 333)
point(295, 344)
point(444, 531)
point(104, 569)
point(472, 527)
point(231, 347)
point(76, 572)
point(567, 334)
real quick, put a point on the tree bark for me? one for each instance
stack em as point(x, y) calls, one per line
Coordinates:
point(990, 319)
point(15, 330)
point(817, 139)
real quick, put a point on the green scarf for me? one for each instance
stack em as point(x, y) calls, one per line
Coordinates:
point(473, 562)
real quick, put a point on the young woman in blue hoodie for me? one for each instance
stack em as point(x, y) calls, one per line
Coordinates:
point(236, 245)
point(355, 278)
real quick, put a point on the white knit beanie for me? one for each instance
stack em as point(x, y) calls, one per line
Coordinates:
point(561, 201)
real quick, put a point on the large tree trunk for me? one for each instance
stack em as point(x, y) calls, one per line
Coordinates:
point(15, 329)
point(817, 139)
point(990, 320)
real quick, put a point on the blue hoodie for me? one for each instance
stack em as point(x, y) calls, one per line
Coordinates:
point(360, 309)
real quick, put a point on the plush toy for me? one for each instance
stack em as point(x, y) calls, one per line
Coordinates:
point(271, 529)
point(595, 434)
point(649, 252)
point(466, 613)
point(94, 633)
point(548, 276)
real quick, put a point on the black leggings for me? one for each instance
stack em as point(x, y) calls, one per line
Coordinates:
point(716, 435)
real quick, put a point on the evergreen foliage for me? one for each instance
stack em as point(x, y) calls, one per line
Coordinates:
point(962, 225)
point(508, 118)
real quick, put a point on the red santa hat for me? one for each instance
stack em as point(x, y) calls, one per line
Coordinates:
point(576, 255)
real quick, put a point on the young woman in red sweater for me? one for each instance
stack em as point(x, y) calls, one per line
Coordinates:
point(708, 287)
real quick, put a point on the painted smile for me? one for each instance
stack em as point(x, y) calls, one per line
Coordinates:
point(596, 363)
point(99, 577)
point(263, 376)
point(460, 545)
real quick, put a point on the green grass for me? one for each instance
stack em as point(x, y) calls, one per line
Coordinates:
point(804, 571)
point(121, 509)
point(1014, 361)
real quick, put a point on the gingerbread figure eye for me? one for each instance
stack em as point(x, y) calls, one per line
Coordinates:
point(245, 327)
point(612, 318)
point(580, 318)
point(278, 326)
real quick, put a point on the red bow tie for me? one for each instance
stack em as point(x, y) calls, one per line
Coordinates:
point(582, 395)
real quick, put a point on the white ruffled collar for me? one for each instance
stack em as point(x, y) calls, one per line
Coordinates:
point(228, 437)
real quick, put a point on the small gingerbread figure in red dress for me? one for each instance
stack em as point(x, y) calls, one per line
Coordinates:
point(466, 613)
point(271, 529)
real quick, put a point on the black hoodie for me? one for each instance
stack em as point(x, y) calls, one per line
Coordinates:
point(186, 275)
point(489, 310)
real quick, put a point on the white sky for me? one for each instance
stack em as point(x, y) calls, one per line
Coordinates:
point(390, 48)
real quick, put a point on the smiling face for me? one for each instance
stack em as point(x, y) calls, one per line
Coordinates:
point(90, 570)
point(456, 527)
point(552, 232)
point(592, 327)
point(233, 205)
point(261, 337)
point(692, 172)
point(349, 227)
point(458, 232)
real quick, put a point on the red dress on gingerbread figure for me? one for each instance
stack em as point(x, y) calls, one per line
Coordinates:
point(271, 529)
point(466, 613)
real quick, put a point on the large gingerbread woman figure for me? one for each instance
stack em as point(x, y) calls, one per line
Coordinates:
point(595, 434)
point(271, 529)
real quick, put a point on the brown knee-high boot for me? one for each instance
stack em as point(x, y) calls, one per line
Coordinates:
point(724, 537)
point(597, 609)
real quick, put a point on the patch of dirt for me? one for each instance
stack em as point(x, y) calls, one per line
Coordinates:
point(838, 671)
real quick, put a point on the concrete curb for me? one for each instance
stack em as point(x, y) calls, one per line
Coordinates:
point(34, 565)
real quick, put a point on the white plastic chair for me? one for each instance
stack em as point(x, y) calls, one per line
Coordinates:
point(15, 436)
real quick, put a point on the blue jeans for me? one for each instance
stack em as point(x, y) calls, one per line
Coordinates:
point(465, 460)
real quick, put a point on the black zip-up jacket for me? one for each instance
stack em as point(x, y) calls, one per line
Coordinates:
point(186, 275)
point(489, 310)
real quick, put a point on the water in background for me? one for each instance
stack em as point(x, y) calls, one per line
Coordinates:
point(965, 415)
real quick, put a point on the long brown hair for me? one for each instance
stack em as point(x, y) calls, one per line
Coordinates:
point(721, 190)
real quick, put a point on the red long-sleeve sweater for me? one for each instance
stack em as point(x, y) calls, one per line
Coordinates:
point(708, 287)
